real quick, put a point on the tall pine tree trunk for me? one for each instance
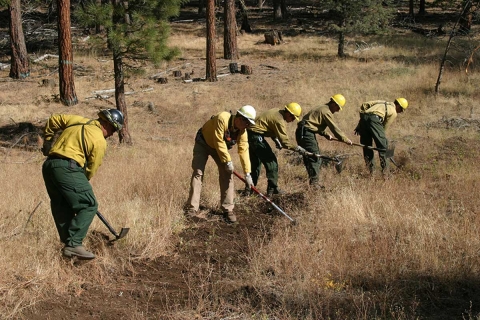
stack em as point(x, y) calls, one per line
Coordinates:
point(124, 134)
point(211, 72)
point(19, 67)
point(65, 70)
point(422, 11)
point(119, 18)
point(230, 31)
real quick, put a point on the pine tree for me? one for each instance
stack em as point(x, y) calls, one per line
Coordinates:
point(136, 30)
point(358, 17)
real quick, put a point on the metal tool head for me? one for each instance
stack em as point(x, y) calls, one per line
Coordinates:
point(122, 233)
point(339, 165)
point(390, 149)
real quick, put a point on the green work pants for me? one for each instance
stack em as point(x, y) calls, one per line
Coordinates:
point(371, 129)
point(72, 200)
point(261, 153)
point(307, 140)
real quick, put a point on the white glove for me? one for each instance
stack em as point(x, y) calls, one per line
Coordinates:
point(328, 137)
point(301, 150)
point(248, 181)
point(278, 144)
point(349, 142)
point(229, 167)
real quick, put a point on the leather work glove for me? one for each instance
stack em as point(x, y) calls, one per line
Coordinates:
point(357, 130)
point(278, 144)
point(229, 167)
point(47, 145)
point(248, 181)
point(301, 150)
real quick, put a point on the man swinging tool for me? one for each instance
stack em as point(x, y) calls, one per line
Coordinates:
point(316, 122)
point(214, 139)
point(72, 161)
point(272, 124)
point(375, 118)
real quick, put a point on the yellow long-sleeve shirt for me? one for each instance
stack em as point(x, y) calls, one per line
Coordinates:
point(383, 109)
point(213, 132)
point(318, 119)
point(69, 143)
point(272, 124)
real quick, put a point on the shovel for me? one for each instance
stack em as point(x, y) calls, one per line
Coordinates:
point(266, 199)
point(123, 231)
point(337, 161)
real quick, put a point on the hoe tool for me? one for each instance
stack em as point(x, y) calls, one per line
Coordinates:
point(389, 152)
point(123, 232)
point(266, 199)
point(338, 162)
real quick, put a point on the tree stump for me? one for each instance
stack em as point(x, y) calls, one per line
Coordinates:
point(233, 67)
point(177, 73)
point(246, 69)
point(273, 37)
point(162, 80)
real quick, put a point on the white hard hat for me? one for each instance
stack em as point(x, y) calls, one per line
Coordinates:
point(248, 112)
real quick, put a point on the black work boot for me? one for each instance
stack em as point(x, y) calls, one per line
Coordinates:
point(272, 191)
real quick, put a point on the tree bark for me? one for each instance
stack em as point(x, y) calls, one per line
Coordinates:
point(20, 67)
point(118, 19)
point(65, 70)
point(230, 50)
point(411, 9)
point(124, 134)
point(341, 44)
point(260, 4)
point(422, 11)
point(211, 72)
point(447, 47)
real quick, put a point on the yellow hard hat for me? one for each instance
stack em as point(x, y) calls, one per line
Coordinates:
point(294, 108)
point(339, 100)
point(402, 102)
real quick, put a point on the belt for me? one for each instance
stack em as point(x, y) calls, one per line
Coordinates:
point(72, 162)
point(374, 116)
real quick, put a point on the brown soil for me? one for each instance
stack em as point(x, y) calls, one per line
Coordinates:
point(207, 251)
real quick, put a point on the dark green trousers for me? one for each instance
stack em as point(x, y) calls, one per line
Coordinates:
point(307, 140)
point(261, 153)
point(72, 200)
point(371, 129)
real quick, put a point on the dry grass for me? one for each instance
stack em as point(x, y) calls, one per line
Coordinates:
point(364, 248)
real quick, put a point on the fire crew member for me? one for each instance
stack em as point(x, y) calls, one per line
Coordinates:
point(316, 122)
point(375, 118)
point(271, 124)
point(214, 139)
point(72, 161)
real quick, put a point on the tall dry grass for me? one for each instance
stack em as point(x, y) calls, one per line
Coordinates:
point(364, 248)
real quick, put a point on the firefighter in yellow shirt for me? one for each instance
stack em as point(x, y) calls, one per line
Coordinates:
point(316, 122)
point(216, 137)
point(72, 161)
point(375, 118)
point(271, 124)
